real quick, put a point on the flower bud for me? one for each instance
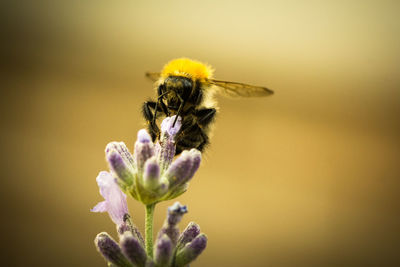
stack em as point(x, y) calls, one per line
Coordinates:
point(191, 231)
point(120, 161)
point(174, 216)
point(191, 251)
point(163, 252)
point(144, 149)
point(196, 160)
point(110, 250)
point(133, 249)
point(175, 213)
point(151, 175)
point(179, 169)
point(166, 148)
point(129, 226)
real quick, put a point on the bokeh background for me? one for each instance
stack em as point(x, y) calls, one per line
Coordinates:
point(307, 177)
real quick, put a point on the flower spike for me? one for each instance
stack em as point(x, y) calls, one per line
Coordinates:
point(150, 175)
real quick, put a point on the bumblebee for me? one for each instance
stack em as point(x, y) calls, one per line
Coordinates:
point(186, 88)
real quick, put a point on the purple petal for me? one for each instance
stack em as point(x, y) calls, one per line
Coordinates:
point(100, 207)
point(115, 199)
point(167, 126)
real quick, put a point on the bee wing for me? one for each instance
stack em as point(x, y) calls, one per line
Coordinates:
point(234, 89)
point(154, 76)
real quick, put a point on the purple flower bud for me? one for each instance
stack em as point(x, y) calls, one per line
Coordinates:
point(163, 251)
point(133, 249)
point(175, 213)
point(151, 176)
point(191, 250)
point(191, 231)
point(110, 250)
point(121, 148)
point(180, 169)
point(165, 153)
point(143, 136)
point(129, 226)
point(115, 200)
point(144, 149)
point(120, 161)
point(174, 216)
point(166, 147)
point(196, 158)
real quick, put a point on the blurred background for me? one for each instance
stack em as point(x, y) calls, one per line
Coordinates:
point(307, 177)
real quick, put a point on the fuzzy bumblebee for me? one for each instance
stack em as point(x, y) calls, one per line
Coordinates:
point(186, 88)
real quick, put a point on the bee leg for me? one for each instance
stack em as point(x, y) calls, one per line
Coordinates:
point(164, 108)
point(155, 112)
point(205, 116)
point(150, 118)
point(179, 109)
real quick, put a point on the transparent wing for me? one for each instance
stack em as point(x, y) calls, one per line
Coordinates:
point(234, 89)
point(154, 76)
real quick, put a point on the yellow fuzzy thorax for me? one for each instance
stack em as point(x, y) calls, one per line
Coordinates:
point(187, 68)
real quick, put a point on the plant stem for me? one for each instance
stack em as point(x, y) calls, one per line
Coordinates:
point(148, 223)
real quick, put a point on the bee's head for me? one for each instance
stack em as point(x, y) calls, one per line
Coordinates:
point(178, 85)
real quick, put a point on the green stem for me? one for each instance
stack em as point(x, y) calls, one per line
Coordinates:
point(148, 224)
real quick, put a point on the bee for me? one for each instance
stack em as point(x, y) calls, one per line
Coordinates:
point(186, 88)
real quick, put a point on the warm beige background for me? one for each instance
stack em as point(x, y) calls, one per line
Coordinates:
point(308, 177)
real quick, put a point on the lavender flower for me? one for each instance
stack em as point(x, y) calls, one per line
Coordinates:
point(115, 199)
point(171, 251)
point(149, 175)
point(168, 251)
